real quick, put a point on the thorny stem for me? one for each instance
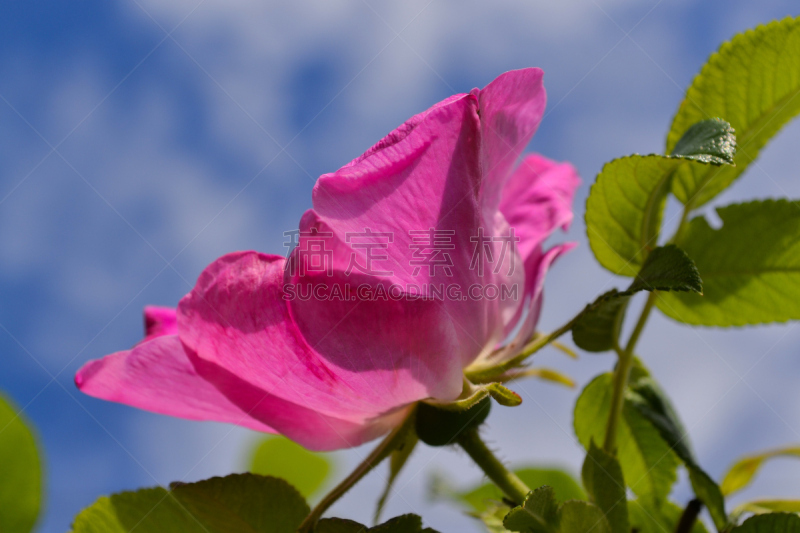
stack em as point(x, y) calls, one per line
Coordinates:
point(381, 452)
point(507, 481)
point(621, 375)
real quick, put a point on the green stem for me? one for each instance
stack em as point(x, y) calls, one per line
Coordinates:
point(622, 374)
point(507, 481)
point(381, 452)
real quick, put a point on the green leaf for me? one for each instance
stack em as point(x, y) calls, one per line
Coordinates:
point(493, 517)
point(770, 523)
point(710, 141)
point(647, 398)
point(625, 208)
point(541, 514)
point(238, 503)
point(597, 329)
point(742, 472)
point(648, 464)
point(752, 82)
point(647, 519)
point(768, 506)
point(603, 479)
point(580, 517)
point(397, 460)
point(20, 472)
point(707, 490)
point(407, 523)
point(279, 457)
point(750, 267)
point(563, 484)
point(537, 514)
point(667, 268)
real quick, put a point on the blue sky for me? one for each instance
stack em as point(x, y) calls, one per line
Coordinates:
point(141, 139)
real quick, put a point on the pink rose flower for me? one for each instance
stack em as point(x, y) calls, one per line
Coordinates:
point(389, 294)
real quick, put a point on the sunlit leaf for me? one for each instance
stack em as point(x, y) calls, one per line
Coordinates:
point(750, 267)
point(240, 503)
point(768, 506)
point(279, 457)
point(751, 82)
point(626, 204)
point(741, 473)
point(648, 465)
point(603, 479)
point(20, 472)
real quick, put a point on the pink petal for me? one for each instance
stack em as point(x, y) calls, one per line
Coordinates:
point(161, 376)
point(402, 131)
point(523, 325)
point(312, 429)
point(421, 181)
point(511, 108)
point(408, 347)
point(159, 321)
point(158, 376)
point(537, 199)
point(237, 319)
point(536, 268)
point(427, 177)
